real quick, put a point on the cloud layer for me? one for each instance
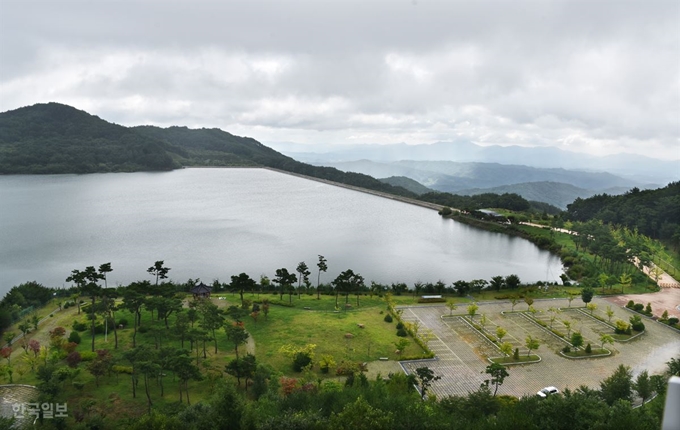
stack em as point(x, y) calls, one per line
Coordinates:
point(599, 77)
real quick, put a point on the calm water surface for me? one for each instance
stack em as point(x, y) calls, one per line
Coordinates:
point(214, 223)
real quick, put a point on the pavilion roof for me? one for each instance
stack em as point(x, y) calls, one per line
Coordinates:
point(201, 289)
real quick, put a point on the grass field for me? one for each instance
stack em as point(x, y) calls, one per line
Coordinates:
point(320, 325)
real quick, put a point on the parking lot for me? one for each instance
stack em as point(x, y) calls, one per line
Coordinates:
point(462, 352)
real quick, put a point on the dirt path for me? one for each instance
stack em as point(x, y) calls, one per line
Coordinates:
point(250, 345)
point(224, 304)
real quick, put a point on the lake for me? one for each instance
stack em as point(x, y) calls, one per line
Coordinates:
point(215, 223)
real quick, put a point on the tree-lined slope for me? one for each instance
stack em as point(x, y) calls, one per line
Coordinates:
point(55, 138)
point(654, 213)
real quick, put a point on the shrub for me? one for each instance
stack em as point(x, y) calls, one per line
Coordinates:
point(70, 347)
point(432, 300)
point(673, 321)
point(400, 325)
point(648, 309)
point(588, 349)
point(630, 304)
point(73, 359)
point(622, 327)
point(326, 363)
point(88, 355)
point(636, 323)
point(388, 318)
point(515, 356)
point(142, 329)
point(79, 385)
point(122, 369)
point(638, 307)
point(566, 349)
point(74, 337)
point(79, 326)
point(99, 329)
point(347, 368)
point(402, 333)
point(301, 361)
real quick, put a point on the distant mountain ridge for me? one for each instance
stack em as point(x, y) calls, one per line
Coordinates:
point(557, 187)
point(638, 168)
point(555, 193)
point(449, 176)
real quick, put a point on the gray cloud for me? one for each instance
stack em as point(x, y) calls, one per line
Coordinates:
point(599, 77)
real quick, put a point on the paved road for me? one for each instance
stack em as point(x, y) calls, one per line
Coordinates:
point(461, 351)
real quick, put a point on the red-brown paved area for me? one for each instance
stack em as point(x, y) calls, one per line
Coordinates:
point(668, 299)
point(460, 354)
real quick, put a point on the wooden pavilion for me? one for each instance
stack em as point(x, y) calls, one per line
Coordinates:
point(201, 291)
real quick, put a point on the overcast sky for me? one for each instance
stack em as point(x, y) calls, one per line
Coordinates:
point(591, 76)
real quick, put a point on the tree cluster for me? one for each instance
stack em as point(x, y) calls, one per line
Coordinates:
point(653, 213)
point(277, 402)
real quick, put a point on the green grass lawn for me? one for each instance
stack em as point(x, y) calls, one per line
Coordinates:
point(321, 325)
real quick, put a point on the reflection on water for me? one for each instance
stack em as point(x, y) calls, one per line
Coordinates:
point(214, 223)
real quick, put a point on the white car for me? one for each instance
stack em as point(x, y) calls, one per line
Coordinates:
point(547, 391)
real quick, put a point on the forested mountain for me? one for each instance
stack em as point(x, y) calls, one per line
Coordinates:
point(55, 138)
point(211, 147)
point(654, 213)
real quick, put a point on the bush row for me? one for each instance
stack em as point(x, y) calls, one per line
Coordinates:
point(432, 300)
point(416, 339)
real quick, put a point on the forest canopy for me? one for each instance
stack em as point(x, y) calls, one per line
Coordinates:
point(654, 213)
